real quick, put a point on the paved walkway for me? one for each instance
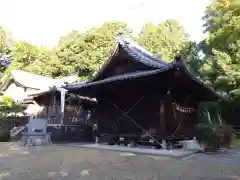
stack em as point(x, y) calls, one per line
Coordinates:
point(177, 153)
point(72, 163)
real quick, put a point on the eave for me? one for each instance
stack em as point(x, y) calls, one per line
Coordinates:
point(176, 64)
point(135, 51)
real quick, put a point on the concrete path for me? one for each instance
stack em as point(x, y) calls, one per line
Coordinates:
point(178, 153)
point(73, 163)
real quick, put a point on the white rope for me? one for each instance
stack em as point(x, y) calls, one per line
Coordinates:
point(175, 116)
point(126, 114)
point(128, 111)
point(129, 13)
point(138, 125)
point(171, 137)
point(183, 109)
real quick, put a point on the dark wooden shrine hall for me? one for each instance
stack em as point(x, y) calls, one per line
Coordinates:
point(139, 95)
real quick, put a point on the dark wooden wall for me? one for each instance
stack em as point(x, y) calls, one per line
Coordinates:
point(147, 114)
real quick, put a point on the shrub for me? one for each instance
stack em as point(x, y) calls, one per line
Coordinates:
point(205, 133)
point(214, 135)
point(4, 136)
point(224, 133)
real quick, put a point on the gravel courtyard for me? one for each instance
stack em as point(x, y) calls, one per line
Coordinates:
point(72, 163)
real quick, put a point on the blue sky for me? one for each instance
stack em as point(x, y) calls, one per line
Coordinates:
point(42, 22)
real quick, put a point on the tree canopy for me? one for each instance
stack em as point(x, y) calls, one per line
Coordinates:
point(222, 22)
point(3, 40)
point(215, 60)
point(84, 52)
point(222, 46)
point(165, 39)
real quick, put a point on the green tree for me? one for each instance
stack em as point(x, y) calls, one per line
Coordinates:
point(46, 63)
point(23, 55)
point(7, 105)
point(222, 22)
point(27, 57)
point(194, 60)
point(222, 46)
point(86, 52)
point(219, 71)
point(3, 40)
point(165, 39)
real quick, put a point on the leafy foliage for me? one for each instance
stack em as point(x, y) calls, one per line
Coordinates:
point(30, 58)
point(214, 60)
point(165, 39)
point(3, 40)
point(4, 50)
point(86, 52)
point(7, 103)
point(4, 135)
point(222, 46)
point(222, 19)
point(221, 53)
point(215, 136)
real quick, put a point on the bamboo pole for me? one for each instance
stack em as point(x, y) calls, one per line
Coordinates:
point(219, 119)
point(209, 117)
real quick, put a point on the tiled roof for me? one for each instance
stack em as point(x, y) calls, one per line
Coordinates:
point(137, 52)
point(133, 75)
point(34, 81)
point(140, 53)
point(57, 89)
point(116, 78)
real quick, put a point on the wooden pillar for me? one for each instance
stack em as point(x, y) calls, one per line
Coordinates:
point(168, 114)
point(162, 120)
point(54, 111)
point(54, 100)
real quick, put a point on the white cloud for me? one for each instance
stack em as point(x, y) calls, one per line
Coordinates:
point(42, 22)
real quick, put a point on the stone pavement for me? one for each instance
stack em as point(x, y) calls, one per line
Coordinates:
point(72, 163)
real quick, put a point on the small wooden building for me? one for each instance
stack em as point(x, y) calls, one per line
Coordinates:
point(66, 113)
point(141, 96)
point(20, 83)
point(75, 108)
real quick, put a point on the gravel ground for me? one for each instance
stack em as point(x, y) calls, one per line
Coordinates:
point(72, 163)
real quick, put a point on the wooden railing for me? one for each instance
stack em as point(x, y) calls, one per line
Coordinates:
point(53, 115)
point(236, 129)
